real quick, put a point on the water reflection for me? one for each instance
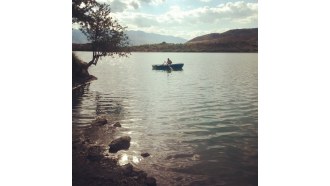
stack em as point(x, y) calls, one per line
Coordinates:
point(126, 158)
point(168, 71)
point(87, 105)
point(77, 94)
point(199, 125)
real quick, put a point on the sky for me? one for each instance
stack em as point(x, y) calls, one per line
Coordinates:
point(185, 18)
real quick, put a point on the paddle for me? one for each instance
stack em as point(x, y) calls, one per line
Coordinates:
point(165, 63)
point(169, 64)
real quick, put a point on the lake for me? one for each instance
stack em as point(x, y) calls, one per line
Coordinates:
point(200, 125)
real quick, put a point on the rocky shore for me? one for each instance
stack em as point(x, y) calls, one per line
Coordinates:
point(93, 165)
point(80, 75)
point(92, 161)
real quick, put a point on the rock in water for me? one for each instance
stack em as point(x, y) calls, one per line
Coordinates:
point(117, 124)
point(145, 154)
point(121, 143)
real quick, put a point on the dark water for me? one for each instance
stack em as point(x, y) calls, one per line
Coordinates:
point(200, 125)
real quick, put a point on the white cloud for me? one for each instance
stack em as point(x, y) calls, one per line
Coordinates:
point(123, 5)
point(189, 23)
point(118, 5)
point(153, 2)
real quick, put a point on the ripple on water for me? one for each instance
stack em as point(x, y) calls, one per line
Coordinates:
point(199, 124)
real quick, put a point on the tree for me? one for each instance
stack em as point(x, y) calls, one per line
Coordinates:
point(81, 9)
point(106, 35)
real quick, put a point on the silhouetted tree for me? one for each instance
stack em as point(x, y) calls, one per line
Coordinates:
point(106, 35)
point(81, 10)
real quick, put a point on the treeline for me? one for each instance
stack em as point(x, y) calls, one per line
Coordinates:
point(81, 47)
point(187, 47)
point(88, 47)
point(201, 47)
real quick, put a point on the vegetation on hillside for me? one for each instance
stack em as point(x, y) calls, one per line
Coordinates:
point(236, 35)
point(239, 40)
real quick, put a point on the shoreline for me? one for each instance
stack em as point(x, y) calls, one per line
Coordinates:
point(92, 161)
point(173, 51)
point(83, 82)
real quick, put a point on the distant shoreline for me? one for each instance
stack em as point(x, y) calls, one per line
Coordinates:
point(169, 47)
point(175, 52)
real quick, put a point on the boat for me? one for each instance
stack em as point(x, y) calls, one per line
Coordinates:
point(177, 66)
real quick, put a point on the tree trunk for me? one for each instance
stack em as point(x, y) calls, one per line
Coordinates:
point(94, 60)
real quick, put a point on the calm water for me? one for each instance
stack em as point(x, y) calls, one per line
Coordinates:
point(200, 125)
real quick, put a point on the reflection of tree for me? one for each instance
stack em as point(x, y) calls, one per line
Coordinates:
point(77, 95)
point(86, 106)
point(108, 106)
point(104, 103)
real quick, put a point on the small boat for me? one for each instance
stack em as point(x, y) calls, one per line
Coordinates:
point(177, 66)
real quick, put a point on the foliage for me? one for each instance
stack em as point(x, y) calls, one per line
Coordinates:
point(106, 34)
point(81, 10)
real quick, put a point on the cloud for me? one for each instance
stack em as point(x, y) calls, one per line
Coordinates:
point(153, 2)
point(229, 11)
point(123, 5)
point(135, 4)
point(189, 23)
point(118, 6)
point(137, 20)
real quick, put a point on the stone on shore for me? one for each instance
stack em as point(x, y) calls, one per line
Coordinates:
point(95, 153)
point(122, 143)
point(151, 181)
point(127, 169)
point(100, 121)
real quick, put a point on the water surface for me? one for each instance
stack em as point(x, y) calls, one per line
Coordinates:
point(199, 124)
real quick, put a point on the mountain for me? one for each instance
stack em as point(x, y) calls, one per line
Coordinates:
point(78, 37)
point(235, 35)
point(238, 40)
point(135, 37)
point(141, 38)
point(241, 40)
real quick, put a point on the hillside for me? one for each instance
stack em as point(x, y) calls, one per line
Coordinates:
point(237, 35)
point(239, 40)
point(78, 37)
point(135, 37)
point(141, 38)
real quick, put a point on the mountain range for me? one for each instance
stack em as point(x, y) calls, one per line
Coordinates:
point(135, 37)
point(237, 40)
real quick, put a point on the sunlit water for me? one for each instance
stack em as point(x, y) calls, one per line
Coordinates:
point(199, 125)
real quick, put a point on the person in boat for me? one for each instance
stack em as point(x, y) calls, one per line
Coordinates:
point(169, 62)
